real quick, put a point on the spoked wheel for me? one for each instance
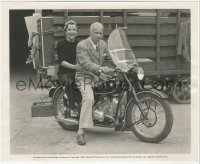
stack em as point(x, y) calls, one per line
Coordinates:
point(61, 110)
point(157, 122)
point(181, 91)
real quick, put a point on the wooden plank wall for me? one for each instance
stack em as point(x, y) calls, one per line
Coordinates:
point(151, 33)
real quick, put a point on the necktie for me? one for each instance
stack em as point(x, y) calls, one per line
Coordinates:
point(97, 48)
point(98, 52)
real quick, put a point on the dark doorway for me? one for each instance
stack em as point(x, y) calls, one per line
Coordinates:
point(18, 39)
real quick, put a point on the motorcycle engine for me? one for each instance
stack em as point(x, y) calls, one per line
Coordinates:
point(105, 109)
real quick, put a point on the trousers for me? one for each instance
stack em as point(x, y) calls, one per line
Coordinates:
point(68, 80)
point(87, 94)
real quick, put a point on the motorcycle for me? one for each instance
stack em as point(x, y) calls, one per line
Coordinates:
point(120, 100)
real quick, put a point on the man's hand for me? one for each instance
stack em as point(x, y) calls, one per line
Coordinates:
point(77, 67)
point(96, 78)
point(107, 69)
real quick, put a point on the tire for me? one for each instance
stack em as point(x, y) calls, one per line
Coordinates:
point(153, 119)
point(181, 91)
point(58, 105)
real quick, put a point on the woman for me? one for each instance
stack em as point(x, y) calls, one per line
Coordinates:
point(66, 50)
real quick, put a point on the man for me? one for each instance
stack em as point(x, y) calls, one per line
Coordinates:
point(90, 55)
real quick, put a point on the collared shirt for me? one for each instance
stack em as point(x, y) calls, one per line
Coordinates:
point(93, 45)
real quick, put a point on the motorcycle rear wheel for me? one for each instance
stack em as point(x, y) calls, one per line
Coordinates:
point(60, 110)
point(158, 123)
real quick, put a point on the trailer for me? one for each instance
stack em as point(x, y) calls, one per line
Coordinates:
point(153, 34)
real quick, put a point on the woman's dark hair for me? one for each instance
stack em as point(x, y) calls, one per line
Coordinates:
point(70, 22)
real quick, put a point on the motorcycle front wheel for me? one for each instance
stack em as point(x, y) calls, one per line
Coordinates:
point(61, 109)
point(158, 120)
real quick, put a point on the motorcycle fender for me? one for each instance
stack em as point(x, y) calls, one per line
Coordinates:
point(52, 91)
point(155, 92)
point(57, 89)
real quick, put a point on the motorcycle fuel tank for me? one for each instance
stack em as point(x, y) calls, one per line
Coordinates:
point(107, 87)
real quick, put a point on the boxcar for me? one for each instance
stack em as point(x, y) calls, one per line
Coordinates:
point(152, 34)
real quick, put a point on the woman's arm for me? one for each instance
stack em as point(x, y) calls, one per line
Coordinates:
point(76, 67)
point(68, 65)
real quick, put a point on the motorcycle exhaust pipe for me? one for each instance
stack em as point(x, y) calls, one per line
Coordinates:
point(67, 120)
point(98, 115)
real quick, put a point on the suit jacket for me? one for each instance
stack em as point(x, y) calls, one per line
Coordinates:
point(88, 58)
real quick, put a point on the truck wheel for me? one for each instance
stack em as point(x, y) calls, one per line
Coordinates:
point(181, 91)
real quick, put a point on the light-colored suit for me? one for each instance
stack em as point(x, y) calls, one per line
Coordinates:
point(89, 60)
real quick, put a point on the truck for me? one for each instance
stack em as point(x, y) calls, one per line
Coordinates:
point(156, 36)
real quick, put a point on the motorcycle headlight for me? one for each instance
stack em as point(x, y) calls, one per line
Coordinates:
point(140, 73)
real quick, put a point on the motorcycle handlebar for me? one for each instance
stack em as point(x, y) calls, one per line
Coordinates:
point(103, 74)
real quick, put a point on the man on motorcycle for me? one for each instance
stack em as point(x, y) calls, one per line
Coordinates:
point(90, 56)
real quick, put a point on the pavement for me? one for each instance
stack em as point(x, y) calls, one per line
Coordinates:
point(42, 135)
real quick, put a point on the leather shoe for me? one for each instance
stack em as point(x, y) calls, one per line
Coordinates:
point(80, 139)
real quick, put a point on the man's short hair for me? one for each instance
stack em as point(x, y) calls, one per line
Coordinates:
point(95, 25)
point(70, 22)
